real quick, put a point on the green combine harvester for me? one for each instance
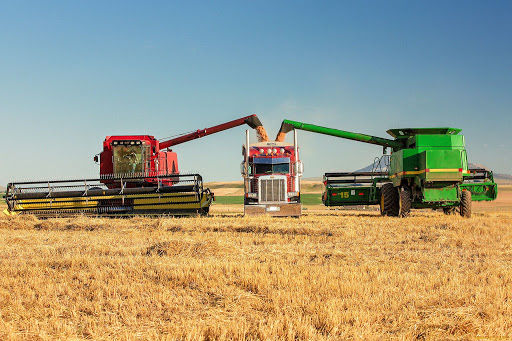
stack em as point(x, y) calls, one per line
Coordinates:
point(427, 168)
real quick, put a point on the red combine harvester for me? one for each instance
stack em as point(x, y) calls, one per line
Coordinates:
point(138, 175)
point(271, 172)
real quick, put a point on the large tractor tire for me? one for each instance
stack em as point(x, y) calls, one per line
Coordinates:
point(405, 202)
point(465, 204)
point(389, 201)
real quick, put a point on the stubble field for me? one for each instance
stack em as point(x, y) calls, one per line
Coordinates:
point(328, 275)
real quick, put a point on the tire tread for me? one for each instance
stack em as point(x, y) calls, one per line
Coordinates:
point(391, 205)
point(465, 204)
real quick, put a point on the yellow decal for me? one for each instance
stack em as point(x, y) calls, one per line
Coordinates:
point(442, 170)
point(344, 195)
point(8, 213)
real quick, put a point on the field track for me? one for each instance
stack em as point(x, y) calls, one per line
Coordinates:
point(328, 275)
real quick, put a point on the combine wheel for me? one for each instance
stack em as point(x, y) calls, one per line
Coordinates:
point(405, 201)
point(389, 204)
point(204, 211)
point(465, 204)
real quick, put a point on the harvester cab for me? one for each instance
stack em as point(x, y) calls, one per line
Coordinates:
point(138, 175)
point(136, 155)
point(428, 168)
point(271, 172)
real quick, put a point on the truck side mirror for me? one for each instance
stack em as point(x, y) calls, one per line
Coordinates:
point(96, 158)
point(242, 169)
point(299, 168)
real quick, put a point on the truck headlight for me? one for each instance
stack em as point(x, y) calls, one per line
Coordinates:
point(293, 194)
point(252, 195)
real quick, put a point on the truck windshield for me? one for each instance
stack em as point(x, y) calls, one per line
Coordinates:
point(271, 169)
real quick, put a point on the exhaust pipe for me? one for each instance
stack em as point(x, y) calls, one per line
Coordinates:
point(246, 164)
point(296, 150)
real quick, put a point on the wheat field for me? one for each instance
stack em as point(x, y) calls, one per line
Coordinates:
point(328, 275)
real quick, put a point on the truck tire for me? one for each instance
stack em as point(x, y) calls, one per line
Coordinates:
point(405, 202)
point(465, 204)
point(389, 204)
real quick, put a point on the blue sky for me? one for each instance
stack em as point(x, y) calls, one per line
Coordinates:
point(73, 72)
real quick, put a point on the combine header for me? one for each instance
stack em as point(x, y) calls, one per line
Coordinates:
point(138, 175)
point(427, 168)
point(93, 197)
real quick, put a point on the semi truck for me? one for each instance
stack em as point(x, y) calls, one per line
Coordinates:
point(271, 171)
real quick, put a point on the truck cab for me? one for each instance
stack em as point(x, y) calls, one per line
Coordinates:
point(271, 172)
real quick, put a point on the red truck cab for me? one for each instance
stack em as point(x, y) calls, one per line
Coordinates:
point(271, 172)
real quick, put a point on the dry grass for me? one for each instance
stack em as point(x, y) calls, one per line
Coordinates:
point(328, 275)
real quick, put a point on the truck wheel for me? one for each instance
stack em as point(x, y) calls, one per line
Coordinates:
point(389, 204)
point(465, 204)
point(405, 201)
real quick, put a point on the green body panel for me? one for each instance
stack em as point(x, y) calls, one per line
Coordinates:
point(481, 191)
point(440, 194)
point(442, 165)
point(432, 162)
point(351, 195)
point(438, 141)
point(428, 162)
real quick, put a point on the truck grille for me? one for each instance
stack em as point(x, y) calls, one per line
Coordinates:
point(272, 190)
